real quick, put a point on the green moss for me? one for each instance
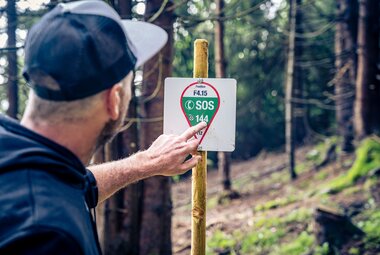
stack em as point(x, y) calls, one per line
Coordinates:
point(220, 241)
point(321, 175)
point(278, 202)
point(354, 251)
point(212, 202)
point(352, 190)
point(261, 241)
point(302, 167)
point(301, 245)
point(266, 222)
point(300, 215)
point(322, 250)
point(371, 226)
point(367, 159)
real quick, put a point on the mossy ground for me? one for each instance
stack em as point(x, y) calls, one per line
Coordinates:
point(275, 215)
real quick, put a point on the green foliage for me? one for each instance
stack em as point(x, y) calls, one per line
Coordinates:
point(259, 242)
point(321, 175)
point(278, 202)
point(367, 159)
point(301, 245)
point(371, 226)
point(267, 232)
point(322, 250)
point(299, 215)
point(354, 251)
point(212, 202)
point(220, 241)
point(264, 237)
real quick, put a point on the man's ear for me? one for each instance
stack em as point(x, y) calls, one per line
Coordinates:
point(114, 101)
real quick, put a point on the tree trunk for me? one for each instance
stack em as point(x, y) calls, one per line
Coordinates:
point(298, 90)
point(132, 194)
point(157, 203)
point(289, 131)
point(113, 209)
point(345, 63)
point(123, 210)
point(12, 59)
point(224, 158)
point(368, 50)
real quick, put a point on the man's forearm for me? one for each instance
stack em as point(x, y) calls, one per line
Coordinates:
point(166, 156)
point(113, 176)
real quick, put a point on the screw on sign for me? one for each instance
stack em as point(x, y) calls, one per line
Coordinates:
point(200, 101)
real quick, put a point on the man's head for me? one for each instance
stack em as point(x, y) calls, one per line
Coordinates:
point(80, 56)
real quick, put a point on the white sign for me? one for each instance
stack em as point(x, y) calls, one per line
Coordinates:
point(188, 101)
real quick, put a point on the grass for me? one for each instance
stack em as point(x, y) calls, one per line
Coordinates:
point(278, 202)
point(300, 245)
point(220, 241)
point(264, 237)
point(292, 232)
point(367, 159)
point(371, 226)
point(322, 175)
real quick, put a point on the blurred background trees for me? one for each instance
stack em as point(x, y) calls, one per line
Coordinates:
point(335, 88)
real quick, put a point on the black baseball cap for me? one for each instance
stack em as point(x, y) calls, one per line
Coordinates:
point(86, 48)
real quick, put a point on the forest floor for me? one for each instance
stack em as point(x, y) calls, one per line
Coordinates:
point(275, 215)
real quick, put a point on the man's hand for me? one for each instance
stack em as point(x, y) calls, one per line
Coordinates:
point(169, 152)
point(166, 156)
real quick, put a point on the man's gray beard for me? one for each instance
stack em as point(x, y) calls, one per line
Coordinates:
point(110, 130)
point(112, 127)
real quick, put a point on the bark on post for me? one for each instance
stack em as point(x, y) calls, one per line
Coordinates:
point(368, 50)
point(12, 59)
point(345, 63)
point(155, 236)
point(199, 180)
point(224, 158)
point(289, 130)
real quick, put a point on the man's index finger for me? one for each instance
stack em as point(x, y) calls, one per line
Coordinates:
point(191, 131)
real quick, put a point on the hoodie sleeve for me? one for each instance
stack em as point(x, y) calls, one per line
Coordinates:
point(43, 242)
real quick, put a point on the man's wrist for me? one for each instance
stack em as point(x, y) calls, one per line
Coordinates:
point(144, 163)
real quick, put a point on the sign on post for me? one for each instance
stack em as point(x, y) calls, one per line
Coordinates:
point(188, 101)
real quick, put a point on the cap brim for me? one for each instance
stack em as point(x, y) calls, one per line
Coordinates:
point(145, 39)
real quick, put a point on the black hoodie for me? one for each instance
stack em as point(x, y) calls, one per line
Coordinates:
point(43, 192)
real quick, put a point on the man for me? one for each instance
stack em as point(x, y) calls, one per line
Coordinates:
point(79, 61)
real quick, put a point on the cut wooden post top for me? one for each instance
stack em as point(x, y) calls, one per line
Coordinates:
point(200, 58)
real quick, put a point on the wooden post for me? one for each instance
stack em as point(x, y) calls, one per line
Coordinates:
point(199, 180)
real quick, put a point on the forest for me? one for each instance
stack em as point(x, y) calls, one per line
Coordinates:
point(305, 175)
